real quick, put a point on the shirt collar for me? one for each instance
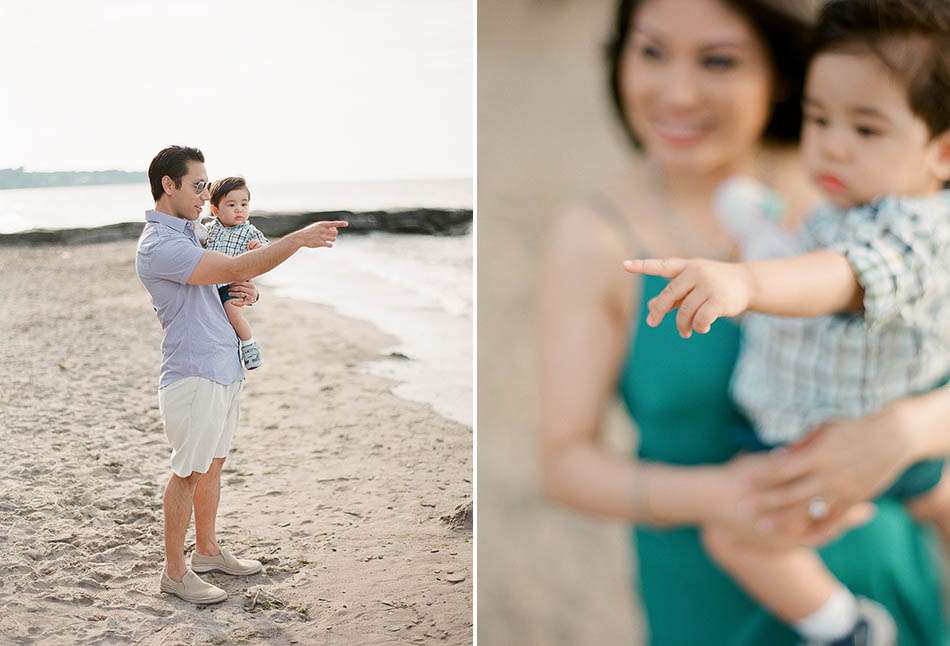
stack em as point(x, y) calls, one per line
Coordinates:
point(236, 226)
point(178, 224)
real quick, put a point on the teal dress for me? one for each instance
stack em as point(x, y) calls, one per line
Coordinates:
point(677, 391)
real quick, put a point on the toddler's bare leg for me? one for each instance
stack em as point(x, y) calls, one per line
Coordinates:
point(934, 507)
point(237, 320)
point(792, 583)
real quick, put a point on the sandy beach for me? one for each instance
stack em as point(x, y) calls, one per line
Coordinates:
point(336, 484)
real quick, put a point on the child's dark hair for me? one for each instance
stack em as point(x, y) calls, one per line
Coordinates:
point(911, 38)
point(222, 187)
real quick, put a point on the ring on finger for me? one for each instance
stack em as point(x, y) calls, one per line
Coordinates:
point(818, 508)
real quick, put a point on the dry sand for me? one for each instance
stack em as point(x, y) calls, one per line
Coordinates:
point(334, 483)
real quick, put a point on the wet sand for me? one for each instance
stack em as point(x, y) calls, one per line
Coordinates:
point(337, 485)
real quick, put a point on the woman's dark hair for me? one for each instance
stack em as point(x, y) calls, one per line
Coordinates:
point(171, 161)
point(911, 38)
point(222, 187)
point(785, 35)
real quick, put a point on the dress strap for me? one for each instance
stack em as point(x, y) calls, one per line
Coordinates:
point(610, 212)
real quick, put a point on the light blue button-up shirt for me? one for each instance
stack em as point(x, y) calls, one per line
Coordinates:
point(199, 341)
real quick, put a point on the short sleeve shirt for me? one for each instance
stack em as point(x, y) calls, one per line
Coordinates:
point(198, 339)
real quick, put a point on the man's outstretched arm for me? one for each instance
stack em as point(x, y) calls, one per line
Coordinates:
point(217, 268)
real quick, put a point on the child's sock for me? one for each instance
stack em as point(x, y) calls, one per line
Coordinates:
point(833, 620)
point(248, 342)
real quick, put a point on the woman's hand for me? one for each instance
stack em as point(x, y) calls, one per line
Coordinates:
point(837, 467)
point(740, 495)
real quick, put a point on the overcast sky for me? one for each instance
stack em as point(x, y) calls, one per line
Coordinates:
point(309, 90)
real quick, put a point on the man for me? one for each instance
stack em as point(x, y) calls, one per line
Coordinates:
point(201, 376)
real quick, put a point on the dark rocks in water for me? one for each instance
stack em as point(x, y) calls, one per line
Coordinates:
point(398, 355)
point(108, 233)
point(423, 221)
point(461, 518)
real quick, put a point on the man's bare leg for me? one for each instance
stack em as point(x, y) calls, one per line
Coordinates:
point(177, 503)
point(207, 494)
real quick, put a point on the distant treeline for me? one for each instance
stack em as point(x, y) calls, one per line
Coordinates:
point(19, 178)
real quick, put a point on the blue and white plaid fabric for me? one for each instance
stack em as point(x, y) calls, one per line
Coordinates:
point(232, 240)
point(794, 374)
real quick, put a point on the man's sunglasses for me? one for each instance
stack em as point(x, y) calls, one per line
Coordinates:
point(201, 185)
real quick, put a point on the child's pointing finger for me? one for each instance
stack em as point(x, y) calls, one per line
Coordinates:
point(665, 267)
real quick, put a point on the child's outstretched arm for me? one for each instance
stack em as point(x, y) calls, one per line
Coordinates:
point(821, 282)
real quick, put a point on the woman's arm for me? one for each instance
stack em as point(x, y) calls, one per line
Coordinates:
point(584, 327)
point(585, 309)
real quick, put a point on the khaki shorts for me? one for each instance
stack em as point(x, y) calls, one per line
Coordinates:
point(200, 418)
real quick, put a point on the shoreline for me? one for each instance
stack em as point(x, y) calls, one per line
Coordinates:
point(336, 484)
point(413, 287)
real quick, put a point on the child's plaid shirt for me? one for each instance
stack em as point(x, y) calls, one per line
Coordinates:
point(232, 240)
point(794, 374)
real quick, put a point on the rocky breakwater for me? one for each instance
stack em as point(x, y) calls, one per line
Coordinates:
point(273, 225)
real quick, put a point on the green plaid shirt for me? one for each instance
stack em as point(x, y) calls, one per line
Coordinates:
point(794, 374)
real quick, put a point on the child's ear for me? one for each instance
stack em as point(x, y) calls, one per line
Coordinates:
point(939, 156)
point(214, 210)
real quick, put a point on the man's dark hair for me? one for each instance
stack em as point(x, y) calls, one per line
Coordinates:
point(171, 161)
point(222, 187)
point(785, 34)
point(911, 38)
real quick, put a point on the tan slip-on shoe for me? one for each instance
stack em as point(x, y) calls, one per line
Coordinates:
point(191, 588)
point(224, 562)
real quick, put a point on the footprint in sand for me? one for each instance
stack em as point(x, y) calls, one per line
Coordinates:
point(151, 610)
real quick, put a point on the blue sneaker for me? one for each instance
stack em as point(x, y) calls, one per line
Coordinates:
point(251, 355)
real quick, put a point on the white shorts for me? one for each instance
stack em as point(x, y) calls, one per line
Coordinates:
point(200, 418)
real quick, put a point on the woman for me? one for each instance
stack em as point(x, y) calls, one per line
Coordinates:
point(709, 89)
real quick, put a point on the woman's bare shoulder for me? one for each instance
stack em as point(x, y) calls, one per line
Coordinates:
point(615, 213)
point(581, 234)
point(586, 245)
